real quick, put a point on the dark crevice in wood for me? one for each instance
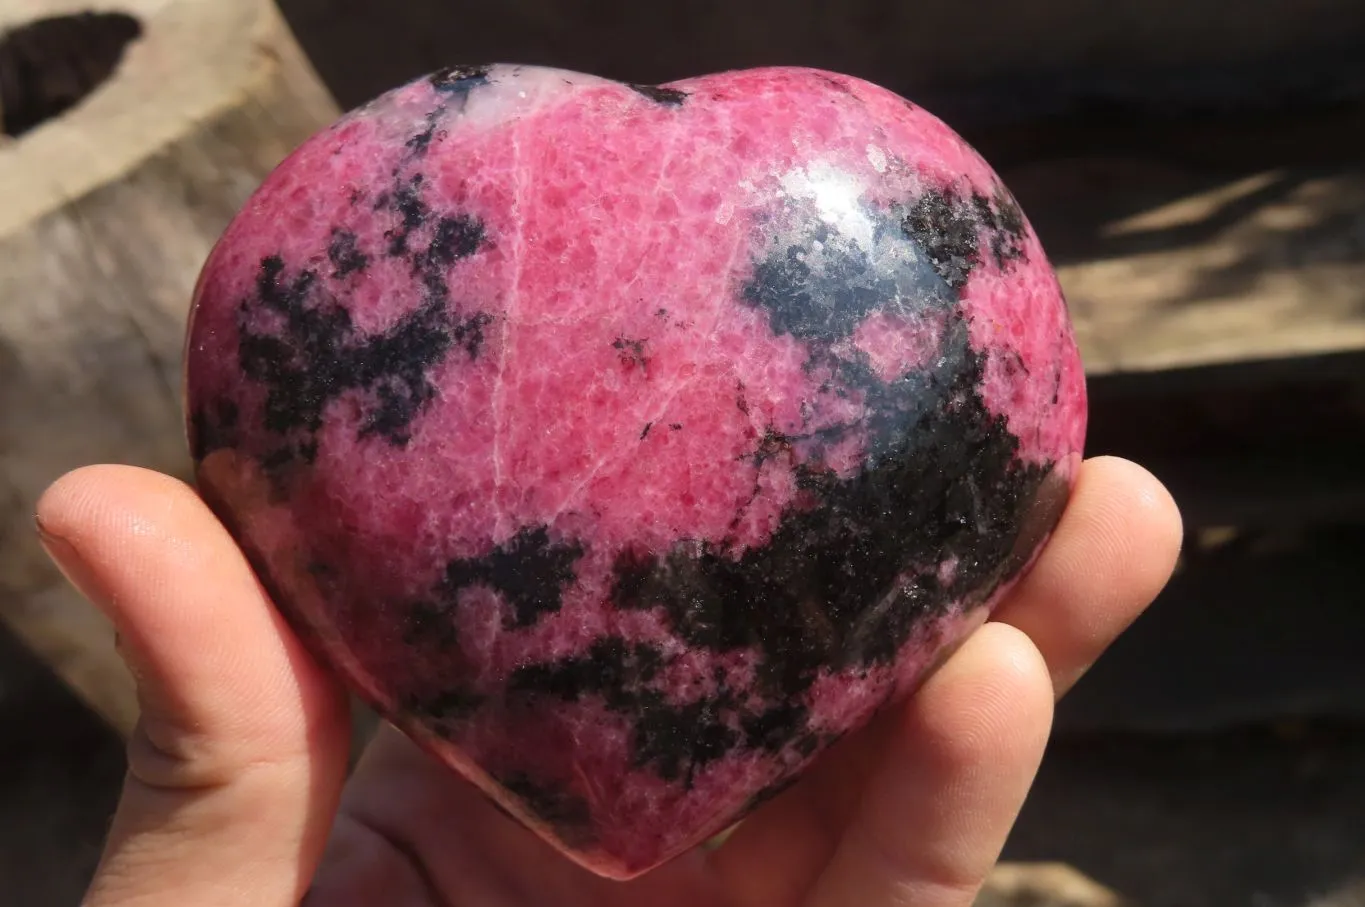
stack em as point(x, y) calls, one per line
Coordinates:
point(50, 65)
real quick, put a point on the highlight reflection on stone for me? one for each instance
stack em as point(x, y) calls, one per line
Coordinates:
point(627, 445)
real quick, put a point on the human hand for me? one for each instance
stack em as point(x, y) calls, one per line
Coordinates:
point(237, 794)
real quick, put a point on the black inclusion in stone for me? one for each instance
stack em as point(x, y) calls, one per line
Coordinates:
point(816, 284)
point(955, 229)
point(469, 333)
point(530, 571)
point(845, 582)
point(213, 426)
point(775, 728)
point(297, 366)
point(567, 812)
point(631, 352)
point(442, 712)
point(406, 201)
point(677, 740)
point(1036, 521)
point(850, 574)
point(669, 97)
point(420, 142)
point(1010, 215)
point(431, 624)
point(317, 355)
point(459, 80)
point(672, 739)
point(345, 256)
point(394, 368)
point(1003, 225)
point(455, 237)
point(612, 668)
point(452, 237)
point(947, 227)
point(632, 573)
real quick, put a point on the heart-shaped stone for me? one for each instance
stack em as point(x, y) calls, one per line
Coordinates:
point(625, 446)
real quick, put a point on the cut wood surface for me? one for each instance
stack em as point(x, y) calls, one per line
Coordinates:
point(108, 213)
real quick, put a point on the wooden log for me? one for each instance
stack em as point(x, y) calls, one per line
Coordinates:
point(108, 212)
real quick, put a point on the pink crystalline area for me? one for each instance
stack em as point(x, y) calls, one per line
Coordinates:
point(627, 446)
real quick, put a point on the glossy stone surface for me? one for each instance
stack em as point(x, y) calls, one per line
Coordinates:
point(626, 446)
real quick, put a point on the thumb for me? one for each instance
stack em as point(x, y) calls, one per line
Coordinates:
point(236, 764)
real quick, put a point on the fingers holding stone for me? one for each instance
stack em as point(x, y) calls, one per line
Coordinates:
point(1109, 557)
point(411, 821)
point(238, 723)
point(1113, 549)
point(949, 782)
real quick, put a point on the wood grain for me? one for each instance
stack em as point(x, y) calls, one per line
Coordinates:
point(109, 213)
point(1265, 266)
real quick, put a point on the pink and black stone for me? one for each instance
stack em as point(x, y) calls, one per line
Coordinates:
point(626, 446)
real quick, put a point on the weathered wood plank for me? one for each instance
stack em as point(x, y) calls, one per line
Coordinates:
point(108, 214)
point(1202, 247)
point(1270, 445)
point(1284, 277)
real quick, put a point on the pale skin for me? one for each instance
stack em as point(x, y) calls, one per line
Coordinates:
point(237, 795)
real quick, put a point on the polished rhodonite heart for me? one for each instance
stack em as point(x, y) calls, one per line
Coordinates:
point(625, 446)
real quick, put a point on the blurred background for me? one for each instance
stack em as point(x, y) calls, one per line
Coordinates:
point(1196, 171)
